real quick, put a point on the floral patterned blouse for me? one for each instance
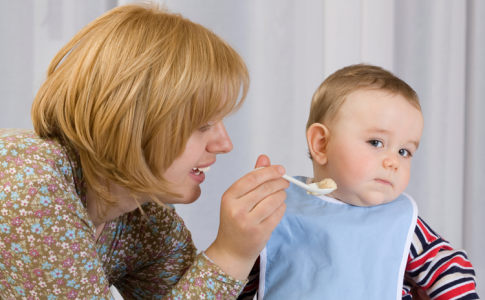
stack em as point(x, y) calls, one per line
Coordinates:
point(47, 244)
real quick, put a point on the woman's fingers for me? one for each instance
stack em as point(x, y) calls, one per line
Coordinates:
point(264, 192)
point(263, 161)
point(253, 180)
point(274, 219)
point(269, 205)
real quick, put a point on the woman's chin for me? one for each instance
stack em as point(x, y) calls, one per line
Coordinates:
point(191, 198)
point(188, 196)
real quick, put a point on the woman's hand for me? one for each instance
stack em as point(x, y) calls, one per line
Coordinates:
point(416, 291)
point(250, 210)
point(419, 294)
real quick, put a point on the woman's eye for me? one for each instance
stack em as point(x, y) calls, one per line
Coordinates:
point(205, 127)
point(404, 153)
point(376, 143)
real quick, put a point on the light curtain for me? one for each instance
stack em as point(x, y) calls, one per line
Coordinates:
point(290, 46)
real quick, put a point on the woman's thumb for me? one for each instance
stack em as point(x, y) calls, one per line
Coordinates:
point(263, 161)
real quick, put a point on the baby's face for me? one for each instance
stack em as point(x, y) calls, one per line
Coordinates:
point(370, 147)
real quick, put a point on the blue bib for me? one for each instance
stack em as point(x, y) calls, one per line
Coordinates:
point(326, 249)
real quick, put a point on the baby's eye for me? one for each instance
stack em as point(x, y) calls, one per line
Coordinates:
point(376, 143)
point(405, 153)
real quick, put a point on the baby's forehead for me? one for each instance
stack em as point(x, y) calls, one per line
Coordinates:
point(366, 92)
point(364, 97)
point(382, 110)
point(375, 106)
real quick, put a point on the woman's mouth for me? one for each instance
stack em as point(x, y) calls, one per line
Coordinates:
point(198, 174)
point(197, 171)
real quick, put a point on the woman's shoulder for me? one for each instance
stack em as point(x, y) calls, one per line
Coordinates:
point(17, 135)
point(26, 143)
point(29, 162)
point(23, 149)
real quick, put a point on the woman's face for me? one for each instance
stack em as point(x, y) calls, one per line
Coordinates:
point(200, 152)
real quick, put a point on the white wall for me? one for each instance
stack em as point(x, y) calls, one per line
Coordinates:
point(290, 46)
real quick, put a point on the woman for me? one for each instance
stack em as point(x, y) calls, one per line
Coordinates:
point(129, 117)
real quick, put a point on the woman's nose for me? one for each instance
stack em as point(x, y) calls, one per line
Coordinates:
point(220, 142)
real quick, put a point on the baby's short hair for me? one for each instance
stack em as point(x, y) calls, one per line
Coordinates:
point(333, 92)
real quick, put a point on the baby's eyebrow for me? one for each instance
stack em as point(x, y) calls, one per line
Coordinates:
point(380, 130)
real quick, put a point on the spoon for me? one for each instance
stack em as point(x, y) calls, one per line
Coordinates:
point(312, 187)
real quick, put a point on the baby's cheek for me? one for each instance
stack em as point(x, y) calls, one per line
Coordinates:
point(351, 173)
point(350, 164)
point(360, 166)
point(403, 180)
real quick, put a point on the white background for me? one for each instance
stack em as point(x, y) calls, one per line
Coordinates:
point(290, 46)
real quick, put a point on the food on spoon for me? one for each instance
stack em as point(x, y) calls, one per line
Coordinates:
point(327, 183)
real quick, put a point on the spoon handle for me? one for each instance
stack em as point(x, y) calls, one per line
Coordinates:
point(296, 182)
point(302, 185)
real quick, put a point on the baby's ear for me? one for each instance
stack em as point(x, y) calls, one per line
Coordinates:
point(317, 138)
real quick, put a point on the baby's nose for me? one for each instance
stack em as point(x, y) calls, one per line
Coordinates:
point(391, 162)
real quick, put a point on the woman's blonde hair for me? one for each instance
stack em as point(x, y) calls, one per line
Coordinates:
point(128, 91)
point(334, 90)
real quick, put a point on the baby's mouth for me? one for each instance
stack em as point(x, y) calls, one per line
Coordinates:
point(383, 181)
point(197, 171)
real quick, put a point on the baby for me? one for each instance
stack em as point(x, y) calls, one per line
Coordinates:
point(360, 241)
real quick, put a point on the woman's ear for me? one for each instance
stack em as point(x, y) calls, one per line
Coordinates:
point(317, 139)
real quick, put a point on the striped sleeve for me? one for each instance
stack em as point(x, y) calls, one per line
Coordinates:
point(251, 287)
point(442, 272)
point(406, 290)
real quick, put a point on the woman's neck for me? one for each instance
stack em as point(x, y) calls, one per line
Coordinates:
point(125, 201)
